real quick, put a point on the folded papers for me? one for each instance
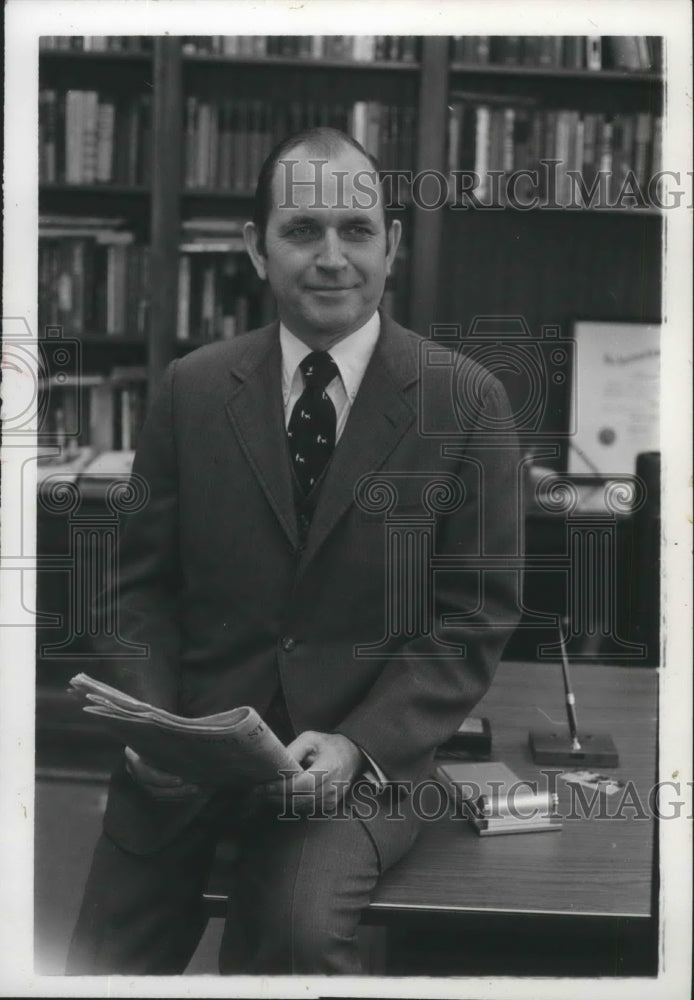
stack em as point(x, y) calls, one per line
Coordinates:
point(227, 749)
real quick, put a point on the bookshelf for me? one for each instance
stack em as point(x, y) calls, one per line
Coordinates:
point(155, 144)
point(550, 266)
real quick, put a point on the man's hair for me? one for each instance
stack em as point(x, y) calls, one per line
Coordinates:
point(323, 141)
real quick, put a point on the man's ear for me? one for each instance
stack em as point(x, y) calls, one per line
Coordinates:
point(392, 243)
point(253, 242)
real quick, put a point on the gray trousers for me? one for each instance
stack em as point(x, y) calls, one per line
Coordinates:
point(299, 889)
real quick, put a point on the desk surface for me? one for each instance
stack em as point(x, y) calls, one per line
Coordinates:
point(593, 866)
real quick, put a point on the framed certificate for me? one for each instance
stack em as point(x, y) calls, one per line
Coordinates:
point(616, 400)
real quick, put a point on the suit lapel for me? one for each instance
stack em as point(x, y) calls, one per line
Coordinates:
point(380, 416)
point(255, 410)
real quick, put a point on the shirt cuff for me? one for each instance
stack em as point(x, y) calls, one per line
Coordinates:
point(373, 773)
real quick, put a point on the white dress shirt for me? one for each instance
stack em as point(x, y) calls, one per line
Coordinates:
point(351, 355)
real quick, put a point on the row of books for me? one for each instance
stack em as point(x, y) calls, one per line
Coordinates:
point(102, 413)
point(485, 138)
point(219, 293)
point(595, 52)
point(215, 295)
point(638, 53)
point(86, 137)
point(95, 43)
point(226, 141)
point(93, 278)
point(360, 48)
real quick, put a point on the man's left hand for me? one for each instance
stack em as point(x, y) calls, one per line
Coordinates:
point(331, 763)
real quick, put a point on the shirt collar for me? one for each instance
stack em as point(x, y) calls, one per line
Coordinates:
point(351, 355)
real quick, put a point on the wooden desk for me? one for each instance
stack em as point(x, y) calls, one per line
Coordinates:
point(574, 902)
point(593, 866)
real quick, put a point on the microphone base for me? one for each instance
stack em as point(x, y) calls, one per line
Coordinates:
point(549, 747)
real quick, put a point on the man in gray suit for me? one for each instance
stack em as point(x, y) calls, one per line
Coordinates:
point(256, 575)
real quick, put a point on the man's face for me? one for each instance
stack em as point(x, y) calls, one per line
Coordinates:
point(326, 252)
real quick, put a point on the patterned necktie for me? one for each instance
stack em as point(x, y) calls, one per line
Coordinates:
point(311, 429)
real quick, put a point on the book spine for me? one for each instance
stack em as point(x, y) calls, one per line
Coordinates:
point(624, 52)
point(43, 172)
point(530, 50)
point(144, 299)
point(125, 420)
point(482, 148)
point(90, 105)
point(110, 290)
point(409, 48)
point(74, 125)
point(482, 50)
point(643, 53)
point(51, 136)
point(454, 130)
point(373, 127)
point(574, 52)
point(101, 417)
point(120, 142)
point(202, 167)
point(508, 140)
point(549, 141)
point(190, 142)
point(255, 140)
point(642, 138)
point(225, 144)
point(496, 128)
point(104, 145)
point(183, 322)
point(562, 155)
point(605, 149)
point(133, 126)
point(241, 182)
point(132, 288)
point(576, 161)
point(208, 299)
point(510, 51)
point(594, 52)
point(144, 161)
point(79, 254)
point(549, 53)
point(360, 122)
point(121, 288)
point(656, 164)
point(591, 125)
point(213, 152)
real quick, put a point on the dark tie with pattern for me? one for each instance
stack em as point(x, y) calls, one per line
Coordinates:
point(312, 424)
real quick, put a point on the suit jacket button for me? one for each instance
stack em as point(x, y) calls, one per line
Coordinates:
point(288, 644)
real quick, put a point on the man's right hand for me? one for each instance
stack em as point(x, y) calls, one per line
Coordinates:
point(159, 784)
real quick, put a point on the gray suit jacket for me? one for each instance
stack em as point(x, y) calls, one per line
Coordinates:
point(213, 577)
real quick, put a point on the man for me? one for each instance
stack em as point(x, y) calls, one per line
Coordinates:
point(256, 576)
